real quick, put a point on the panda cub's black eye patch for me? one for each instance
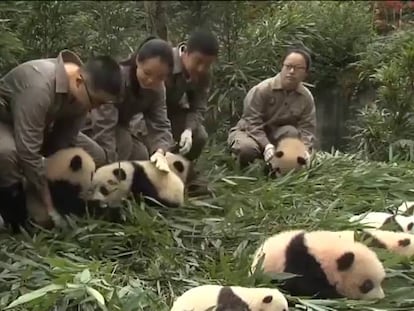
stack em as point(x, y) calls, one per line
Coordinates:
point(119, 173)
point(104, 191)
point(367, 286)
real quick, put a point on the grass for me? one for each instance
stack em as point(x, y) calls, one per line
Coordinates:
point(153, 256)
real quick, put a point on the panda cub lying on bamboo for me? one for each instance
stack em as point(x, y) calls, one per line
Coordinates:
point(326, 265)
point(114, 182)
point(230, 298)
point(71, 178)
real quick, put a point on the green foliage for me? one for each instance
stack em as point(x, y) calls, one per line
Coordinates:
point(324, 27)
point(46, 27)
point(386, 129)
point(11, 47)
point(146, 261)
point(379, 53)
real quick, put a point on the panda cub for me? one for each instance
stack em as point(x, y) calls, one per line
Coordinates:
point(400, 243)
point(406, 208)
point(386, 221)
point(113, 183)
point(230, 298)
point(326, 265)
point(291, 154)
point(69, 173)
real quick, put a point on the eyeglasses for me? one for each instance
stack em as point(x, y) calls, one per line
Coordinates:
point(295, 68)
point(92, 101)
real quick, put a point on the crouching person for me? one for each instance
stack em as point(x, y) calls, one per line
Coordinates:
point(43, 104)
point(188, 89)
point(113, 127)
point(276, 107)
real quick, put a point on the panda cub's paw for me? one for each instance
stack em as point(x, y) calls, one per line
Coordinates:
point(58, 220)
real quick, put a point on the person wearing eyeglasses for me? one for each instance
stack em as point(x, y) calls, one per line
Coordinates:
point(276, 107)
point(144, 73)
point(43, 104)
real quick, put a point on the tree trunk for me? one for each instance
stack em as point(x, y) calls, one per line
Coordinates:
point(156, 18)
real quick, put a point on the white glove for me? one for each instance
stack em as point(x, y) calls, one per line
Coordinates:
point(186, 141)
point(160, 162)
point(269, 152)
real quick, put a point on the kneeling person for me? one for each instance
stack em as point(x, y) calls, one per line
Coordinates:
point(43, 104)
point(277, 107)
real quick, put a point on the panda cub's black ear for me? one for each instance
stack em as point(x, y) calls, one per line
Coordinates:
point(345, 261)
point(119, 173)
point(279, 154)
point(76, 163)
point(179, 166)
point(267, 299)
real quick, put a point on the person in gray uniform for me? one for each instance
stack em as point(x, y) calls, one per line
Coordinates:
point(188, 90)
point(43, 104)
point(143, 74)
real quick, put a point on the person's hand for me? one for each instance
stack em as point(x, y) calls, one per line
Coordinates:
point(58, 221)
point(269, 152)
point(160, 162)
point(186, 141)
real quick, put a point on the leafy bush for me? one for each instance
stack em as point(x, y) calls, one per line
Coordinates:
point(324, 27)
point(388, 126)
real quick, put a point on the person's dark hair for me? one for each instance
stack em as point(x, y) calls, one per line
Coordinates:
point(301, 51)
point(204, 42)
point(151, 47)
point(104, 74)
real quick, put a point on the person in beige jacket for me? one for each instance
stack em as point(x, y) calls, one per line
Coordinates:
point(278, 106)
point(43, 104)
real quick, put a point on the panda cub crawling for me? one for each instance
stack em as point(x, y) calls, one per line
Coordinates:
point(230, 298)
point(387, 221)
point(326, 265)
point(400, 243)
point(291, 154)
point(114, 182)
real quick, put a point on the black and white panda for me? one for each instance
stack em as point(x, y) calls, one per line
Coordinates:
point(69, 173)
point(230, 298)
point(291, 154)
point(400, 243)
point(181, 166)
point(406, 208)
point(114, 182)
point(385, 221)
point(327, 265)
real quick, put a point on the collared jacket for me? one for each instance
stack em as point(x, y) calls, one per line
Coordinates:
point(267, 106)
point(102, 122)
point(184, 94)
point(35, 100)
